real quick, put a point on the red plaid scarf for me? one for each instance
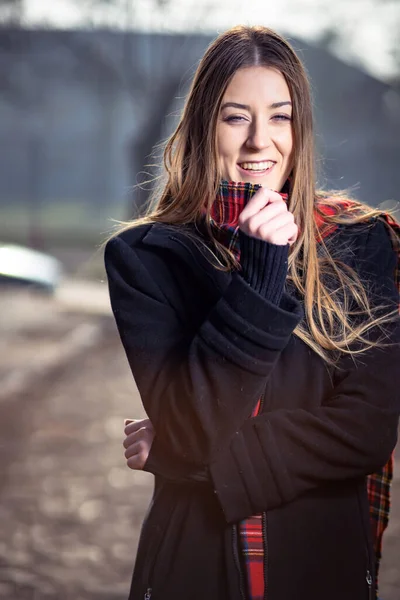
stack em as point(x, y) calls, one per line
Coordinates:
point(225, 213)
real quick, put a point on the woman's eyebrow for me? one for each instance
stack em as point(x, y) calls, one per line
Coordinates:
point(247, 107)
point(235, 105)
point(279, 104)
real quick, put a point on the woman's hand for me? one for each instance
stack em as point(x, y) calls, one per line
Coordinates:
point(267, 218)
point(139, 438)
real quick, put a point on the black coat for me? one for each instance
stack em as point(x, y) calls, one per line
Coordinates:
point(203, 347)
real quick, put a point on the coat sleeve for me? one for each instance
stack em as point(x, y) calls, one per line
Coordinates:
point(277, 456)
point(196, 387)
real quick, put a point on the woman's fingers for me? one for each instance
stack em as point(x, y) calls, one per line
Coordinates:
point(136, 462)
point(267, 217)
point(143, 433)
point(132, 425)
point(138, 442)
point(281, 230)
point(293, 234)
point(133, 449)
point(137, 452)
point(253, 223)
point(261, 198)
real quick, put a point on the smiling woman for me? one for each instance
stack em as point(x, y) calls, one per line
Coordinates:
point(255, 139)
point(244, 299)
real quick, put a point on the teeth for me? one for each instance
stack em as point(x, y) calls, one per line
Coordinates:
point(263, 166)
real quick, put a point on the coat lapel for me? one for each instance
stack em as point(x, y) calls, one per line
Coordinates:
point(187, 244)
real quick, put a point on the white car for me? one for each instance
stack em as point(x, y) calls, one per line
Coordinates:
point(22, 266)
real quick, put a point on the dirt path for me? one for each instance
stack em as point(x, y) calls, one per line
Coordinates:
point(70, 509)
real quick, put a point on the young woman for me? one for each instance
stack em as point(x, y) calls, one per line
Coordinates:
point(258, 318)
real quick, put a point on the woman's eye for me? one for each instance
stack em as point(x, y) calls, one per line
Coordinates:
point(234, 119)
point(282, 118)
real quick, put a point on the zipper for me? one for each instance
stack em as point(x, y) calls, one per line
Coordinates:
point(237, 561)
point(147, 595)
point(369, 578)
point(265, 547)
point(369, 583)
point(368, 575)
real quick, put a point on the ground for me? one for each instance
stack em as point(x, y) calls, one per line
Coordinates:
point(70, 510)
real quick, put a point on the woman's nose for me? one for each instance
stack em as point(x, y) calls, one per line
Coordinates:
point(259, 137)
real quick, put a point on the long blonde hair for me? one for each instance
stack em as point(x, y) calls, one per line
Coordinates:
point(192, 182)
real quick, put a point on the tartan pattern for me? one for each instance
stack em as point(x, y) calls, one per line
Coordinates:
point(378, 487)
point(230, 201)
point(252, 548)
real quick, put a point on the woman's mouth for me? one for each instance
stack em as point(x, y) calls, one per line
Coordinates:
point(256, 168)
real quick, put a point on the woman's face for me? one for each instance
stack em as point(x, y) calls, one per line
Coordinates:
point(254, 131)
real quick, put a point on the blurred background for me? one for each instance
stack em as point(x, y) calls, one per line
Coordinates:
point(88, 91)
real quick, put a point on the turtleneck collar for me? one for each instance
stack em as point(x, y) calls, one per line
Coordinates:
point(231, 198)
